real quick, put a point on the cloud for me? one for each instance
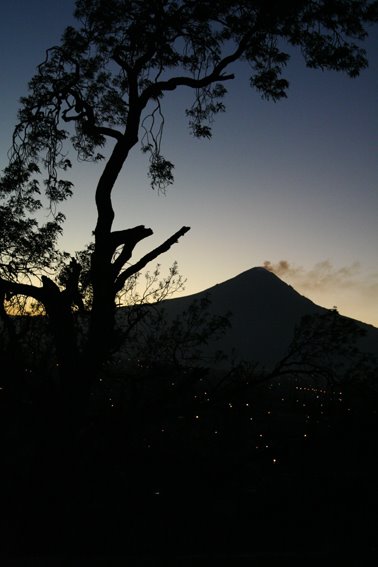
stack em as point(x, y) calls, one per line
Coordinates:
point(351, 289)
point(323, 276)
point(282, 268)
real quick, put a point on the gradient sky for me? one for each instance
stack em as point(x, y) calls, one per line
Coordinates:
point(292, 183)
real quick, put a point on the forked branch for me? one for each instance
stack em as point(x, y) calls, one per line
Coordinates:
point(120, 281)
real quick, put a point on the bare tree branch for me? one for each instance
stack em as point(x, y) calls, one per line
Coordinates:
point(216, 75)
point(120, 281)
point(129, 238)
point(15, 288)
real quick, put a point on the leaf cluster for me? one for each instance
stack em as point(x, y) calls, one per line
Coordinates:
point(26, 246)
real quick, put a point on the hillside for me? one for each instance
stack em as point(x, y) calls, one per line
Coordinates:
point(264, 313)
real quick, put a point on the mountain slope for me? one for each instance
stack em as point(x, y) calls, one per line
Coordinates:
point(265, 311)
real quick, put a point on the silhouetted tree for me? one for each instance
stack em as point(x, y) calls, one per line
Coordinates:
point(326, 348)
point(105, 83)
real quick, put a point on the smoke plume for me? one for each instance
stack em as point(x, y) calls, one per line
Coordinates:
point(322, 276)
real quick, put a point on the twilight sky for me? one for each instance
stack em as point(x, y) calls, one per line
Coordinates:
point(292, 185)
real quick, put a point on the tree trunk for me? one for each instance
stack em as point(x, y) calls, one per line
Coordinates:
point(101, 326)
point(101, 329)
point(65, 338)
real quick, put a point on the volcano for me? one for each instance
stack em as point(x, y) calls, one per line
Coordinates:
point(264, 314)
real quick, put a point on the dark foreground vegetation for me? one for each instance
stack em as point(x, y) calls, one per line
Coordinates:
point(187, 473)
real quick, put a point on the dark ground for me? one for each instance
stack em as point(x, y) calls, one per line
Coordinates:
point(278, 475)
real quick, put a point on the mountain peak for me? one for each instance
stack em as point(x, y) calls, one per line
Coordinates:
point(264, 314)
point(259, 281)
